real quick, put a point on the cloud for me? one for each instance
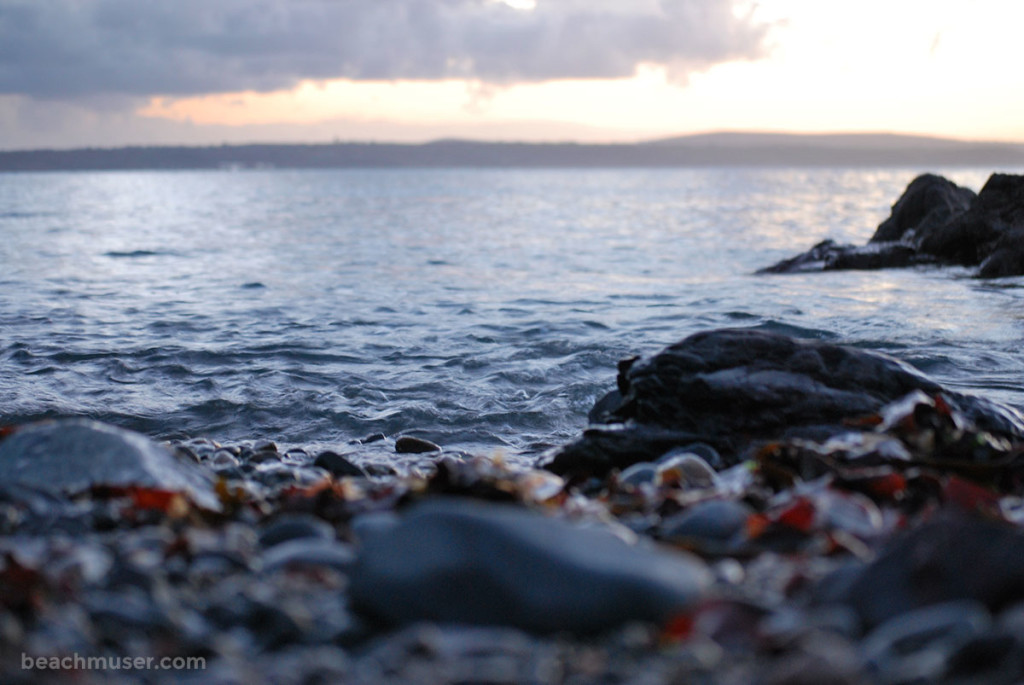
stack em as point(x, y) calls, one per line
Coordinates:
point(72, 49)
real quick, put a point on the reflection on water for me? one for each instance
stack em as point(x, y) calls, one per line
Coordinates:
point(479, 308)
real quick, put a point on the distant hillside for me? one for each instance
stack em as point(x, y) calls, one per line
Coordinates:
point(891, 141)
point(712, 149)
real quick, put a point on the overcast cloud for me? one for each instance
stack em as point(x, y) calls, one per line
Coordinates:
point(71, 49)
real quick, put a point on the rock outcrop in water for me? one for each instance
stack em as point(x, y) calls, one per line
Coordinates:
point(736, 388)
point(936, 222)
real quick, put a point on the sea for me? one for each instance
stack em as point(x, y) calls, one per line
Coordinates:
point(482, 309)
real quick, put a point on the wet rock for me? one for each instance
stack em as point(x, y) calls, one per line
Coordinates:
point(410, 445)
point(76, 454)
point(928, 203)
point(293, 527)
point(706, 453)
point(972, 236)
point(952, 557)
point(916, 646)
point(638, 474)
point(993, 658)
point(373, 437)
point(312, 551)
point(1007, 259)
point(222, 460)
point(731, 387)
point(712, 526)
point(936, 221)
point(475, 563)
point(821, 659)
point(685, 470)
point(337, 465)
point(616, 445)
point(831, 256)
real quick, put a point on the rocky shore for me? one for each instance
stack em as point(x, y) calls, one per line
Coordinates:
point(745, 508)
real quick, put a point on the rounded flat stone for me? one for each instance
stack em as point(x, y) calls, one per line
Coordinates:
point(462, 561)
point(72, 455)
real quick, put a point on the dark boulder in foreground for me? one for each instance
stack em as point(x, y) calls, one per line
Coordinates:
point(936, 221)
point(73, 455)
point(732, 388)
point(461, 561)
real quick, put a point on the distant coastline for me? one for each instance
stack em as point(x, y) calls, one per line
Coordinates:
point(713, 149)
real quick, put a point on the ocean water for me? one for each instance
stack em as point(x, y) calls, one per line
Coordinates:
point(482, 309)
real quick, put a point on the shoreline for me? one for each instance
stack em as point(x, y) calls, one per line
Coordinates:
point(789, 558)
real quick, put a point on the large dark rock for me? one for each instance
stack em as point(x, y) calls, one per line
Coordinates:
point(73, 455)
point(936, 221)
point(464, 561)
point(733, 387)
point(928, 202)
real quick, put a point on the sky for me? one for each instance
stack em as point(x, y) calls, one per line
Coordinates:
point(104, 73)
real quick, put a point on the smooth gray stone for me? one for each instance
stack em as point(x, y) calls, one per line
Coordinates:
point(286, 527)
point(72, 455)
point(638, 474)
point(711, 521)
point(917, 645)
point(309, 552)
point(462, 561)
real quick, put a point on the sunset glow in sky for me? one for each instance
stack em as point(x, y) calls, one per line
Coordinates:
point(115, 72)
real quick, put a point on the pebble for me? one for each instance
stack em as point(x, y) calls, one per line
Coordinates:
point(712, 525)
point(641, 473)
point(309, 551)
point(292, 527)
point(337, 465)
point(705, 452)
point(686, 471)
point(410, 445)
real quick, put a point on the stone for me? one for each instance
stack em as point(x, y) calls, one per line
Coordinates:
point(685, 470)
point(712, 526)
point(338, 466)
point(916, 646)
point(731, 388)
point(463, 561)
point(410, 445)
point(287, 527)
point(73, 455)
point(830, 256)
point(309, 551)
point(1007, 259)
point(955, 556)
point(936, 221)
point(928, 202)
point(641, 473)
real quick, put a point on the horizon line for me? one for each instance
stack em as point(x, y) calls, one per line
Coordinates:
point(737, 133)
